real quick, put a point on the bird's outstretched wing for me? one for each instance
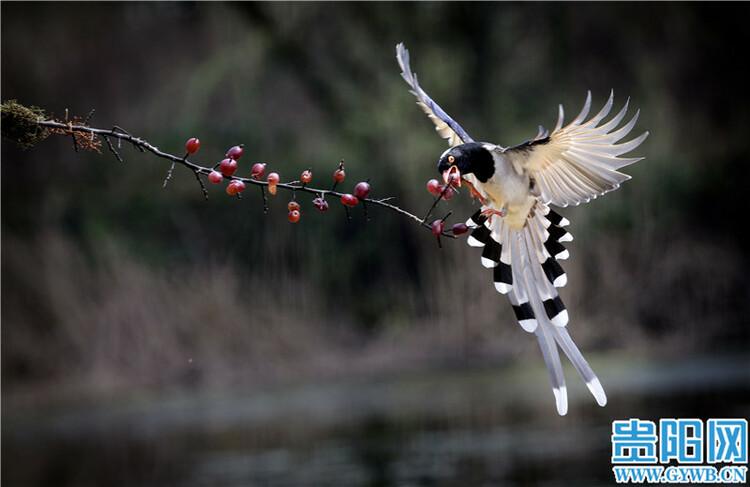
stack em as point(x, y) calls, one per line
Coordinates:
point(578, 162)
point(445, 125)
point(525, 267)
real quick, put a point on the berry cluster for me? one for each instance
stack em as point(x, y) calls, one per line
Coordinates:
point(444, 192)
point(227, 168)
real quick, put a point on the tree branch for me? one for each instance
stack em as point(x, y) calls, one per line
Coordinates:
point(83, 132)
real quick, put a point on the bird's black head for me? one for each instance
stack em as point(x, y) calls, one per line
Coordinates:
point(471, 158)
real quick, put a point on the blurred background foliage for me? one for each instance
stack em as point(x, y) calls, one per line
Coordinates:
point(111, 283)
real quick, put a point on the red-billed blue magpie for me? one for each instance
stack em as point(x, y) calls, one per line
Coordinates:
point(520, 235)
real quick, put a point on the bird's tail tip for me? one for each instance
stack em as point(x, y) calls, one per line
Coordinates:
point(561, 400)
point(597, 391)
point(561, 396)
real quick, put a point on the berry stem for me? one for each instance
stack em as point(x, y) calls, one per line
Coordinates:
point(200, 181)
point(434, 204)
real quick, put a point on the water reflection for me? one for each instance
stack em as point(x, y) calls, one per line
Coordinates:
point(479, 427)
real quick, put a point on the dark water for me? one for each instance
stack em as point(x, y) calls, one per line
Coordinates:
point(447, 428)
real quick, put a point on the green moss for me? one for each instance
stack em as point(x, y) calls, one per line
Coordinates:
point(21, 124)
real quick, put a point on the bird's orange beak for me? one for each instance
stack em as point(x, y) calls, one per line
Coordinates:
point(452, 176)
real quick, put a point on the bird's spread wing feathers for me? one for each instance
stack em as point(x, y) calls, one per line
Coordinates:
point(578, 162)
point(448, 128)
point(525, 267)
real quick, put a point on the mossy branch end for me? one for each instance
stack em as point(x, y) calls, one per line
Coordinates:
point(20, 124)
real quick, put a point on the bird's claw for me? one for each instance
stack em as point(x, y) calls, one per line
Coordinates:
point(490, 212)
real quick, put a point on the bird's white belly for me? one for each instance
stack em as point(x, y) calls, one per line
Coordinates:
point(508, 190)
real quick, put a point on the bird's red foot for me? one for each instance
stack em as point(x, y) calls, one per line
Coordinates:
point(474, 192)
point(490, 212)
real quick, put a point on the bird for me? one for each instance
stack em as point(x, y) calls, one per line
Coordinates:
point(521, 237)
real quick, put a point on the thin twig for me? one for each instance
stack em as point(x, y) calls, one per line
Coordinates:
point(265, 199)
point(88, 117)
point(203, 186)
point(169, 174)
point(75, 142)
point(112, 148)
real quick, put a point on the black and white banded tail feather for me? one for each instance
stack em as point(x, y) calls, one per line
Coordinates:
point(525, 266)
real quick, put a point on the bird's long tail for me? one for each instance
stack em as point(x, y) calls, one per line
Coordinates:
point(525, 267)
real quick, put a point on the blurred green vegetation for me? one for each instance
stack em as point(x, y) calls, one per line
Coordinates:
point(110, 281)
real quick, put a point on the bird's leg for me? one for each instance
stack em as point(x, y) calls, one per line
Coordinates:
point(474, 192)
point(490, 212)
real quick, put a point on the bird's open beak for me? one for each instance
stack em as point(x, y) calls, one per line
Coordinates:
point(452, 176)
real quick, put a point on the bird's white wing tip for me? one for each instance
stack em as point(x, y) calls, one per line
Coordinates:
point(400, 49)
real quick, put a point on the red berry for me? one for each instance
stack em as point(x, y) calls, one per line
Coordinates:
point(235, 152)
point(339, 175)
point(259, 169)
point(294, 216)
point(228, 167)
point(215, 177)
point(349, 200)
point(362, 190)
point(448, 193)
point(306, 176)
point(272, 179)
point(437, 227)
point(459, 229)
point(235, 186)
point(434, 187)
point(320, 204)
point(192, 146)
point(453, 176)
point(293, 205)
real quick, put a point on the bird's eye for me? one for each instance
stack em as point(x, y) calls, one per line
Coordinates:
point(451, 159)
